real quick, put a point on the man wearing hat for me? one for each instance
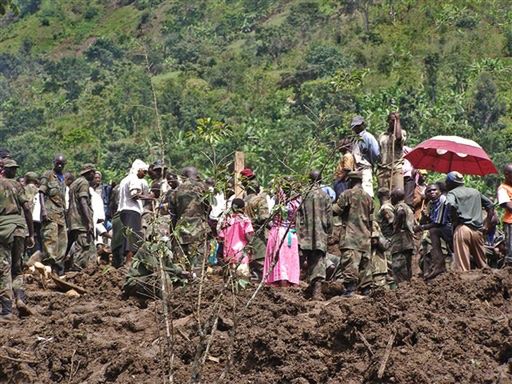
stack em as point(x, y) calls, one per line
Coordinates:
point(355, 207)
point(465, 208)
point(80, 218)
point(52, 196)
point(366, 152)
point(15, 220)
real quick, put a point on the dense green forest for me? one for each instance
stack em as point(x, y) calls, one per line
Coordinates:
point(106, 81)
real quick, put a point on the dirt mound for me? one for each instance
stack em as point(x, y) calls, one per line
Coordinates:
point(456, 329)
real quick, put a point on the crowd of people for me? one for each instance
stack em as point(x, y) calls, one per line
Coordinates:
point(325, 230)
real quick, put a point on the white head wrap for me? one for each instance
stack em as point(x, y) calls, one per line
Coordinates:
point(138, 164)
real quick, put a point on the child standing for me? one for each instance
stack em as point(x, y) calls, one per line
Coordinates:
point(236, 232)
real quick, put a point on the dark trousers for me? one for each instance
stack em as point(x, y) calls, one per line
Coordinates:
point(435, 261)
point(315, 260)
point(508, 241)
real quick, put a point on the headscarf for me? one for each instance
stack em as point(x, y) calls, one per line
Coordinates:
point(136, 165)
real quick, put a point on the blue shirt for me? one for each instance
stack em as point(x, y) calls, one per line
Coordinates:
point(328, 190)
point(369, 147)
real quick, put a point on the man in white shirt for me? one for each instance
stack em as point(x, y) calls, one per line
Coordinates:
point(132, 190)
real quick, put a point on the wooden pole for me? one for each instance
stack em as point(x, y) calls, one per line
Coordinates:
point(239, 166)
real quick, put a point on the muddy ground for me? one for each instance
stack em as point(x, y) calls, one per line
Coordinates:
point(457, 329)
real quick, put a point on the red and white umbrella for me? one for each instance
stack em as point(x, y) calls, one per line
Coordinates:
point(451, 153)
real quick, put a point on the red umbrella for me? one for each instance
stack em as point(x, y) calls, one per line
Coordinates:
point(451, 153)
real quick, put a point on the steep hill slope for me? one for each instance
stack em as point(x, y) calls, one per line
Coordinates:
point(106, 81)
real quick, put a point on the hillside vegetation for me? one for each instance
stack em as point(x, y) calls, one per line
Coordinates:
point(192, 81)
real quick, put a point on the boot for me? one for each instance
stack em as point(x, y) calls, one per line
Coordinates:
point(350, 288)
point(23, 309)
point(436, 272)
point(6, 314)
point(57, 268)
point(316, 291)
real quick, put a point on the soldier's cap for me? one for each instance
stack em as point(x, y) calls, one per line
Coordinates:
point(10, 163)
point(159, 164)
point(31, 176)
point(455, 177)
point(357, 120)
point(355, 175)
point(86, 168)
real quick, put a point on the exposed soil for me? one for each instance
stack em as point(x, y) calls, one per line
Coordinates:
point(457, 329)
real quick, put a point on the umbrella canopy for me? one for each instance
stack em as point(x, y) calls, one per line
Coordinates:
point(451, 153)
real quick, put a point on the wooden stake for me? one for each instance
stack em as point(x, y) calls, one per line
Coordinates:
point(382, 367)
point(239, 166)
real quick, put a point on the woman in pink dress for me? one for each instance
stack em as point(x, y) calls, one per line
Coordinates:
point(236, 232)
point(282, 244)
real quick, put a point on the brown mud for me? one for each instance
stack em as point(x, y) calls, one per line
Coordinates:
point(457, 329)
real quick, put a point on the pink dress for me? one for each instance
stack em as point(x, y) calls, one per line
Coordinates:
point(286, 251)
point(235, 231)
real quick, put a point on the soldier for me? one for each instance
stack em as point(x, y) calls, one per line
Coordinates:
point(256, 207)
point(314, 227)
point(189, 203)
point(13, 231)
point(402, 241)
point(355, 207)
point(80, 217)
point(52, 196)
point(386, 213)
point(381, 273)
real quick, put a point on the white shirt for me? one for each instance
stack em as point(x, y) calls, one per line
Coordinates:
point(66, 198)
point(503, 196)
point(36, 209)
point(129, 184)
point(98, 212)
point(219, 204)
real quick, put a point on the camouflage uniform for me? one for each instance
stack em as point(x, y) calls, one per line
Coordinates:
point(314, 225)
point(53, 230)
point(256, 208)
point(82, 251)
point(355, 207)
point(381, 269)
point(402, 242)
point(385, 218)
point(13, 230)
point(189, 203)
point(143, 277)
